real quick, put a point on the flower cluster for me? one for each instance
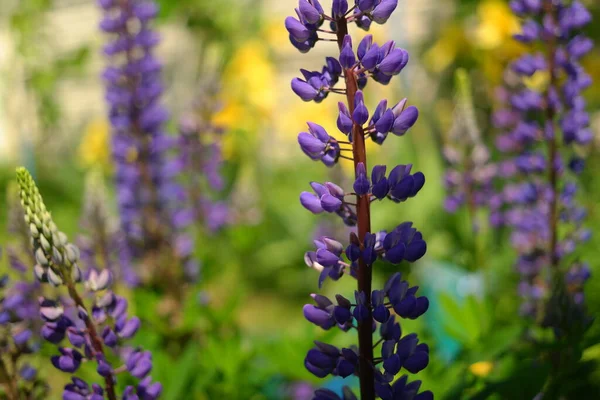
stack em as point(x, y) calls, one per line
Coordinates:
point(90, 333)
point(353, 68)
point(19, 323)
point(540, 196)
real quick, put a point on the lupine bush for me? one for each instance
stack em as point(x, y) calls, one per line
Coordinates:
point(184, 279)
point(546, 128)
point(543, 127)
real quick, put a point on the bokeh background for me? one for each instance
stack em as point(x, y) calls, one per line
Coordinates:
point(254, 282)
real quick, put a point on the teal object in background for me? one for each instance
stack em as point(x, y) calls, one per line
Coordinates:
point(439, 277)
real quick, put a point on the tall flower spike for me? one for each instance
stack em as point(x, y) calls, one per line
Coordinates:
point(364, 248)
point(90, 331)
point(148, 193)
point(543, 131)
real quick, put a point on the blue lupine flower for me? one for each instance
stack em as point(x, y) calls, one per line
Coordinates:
point(381, 63)
point(534, 209)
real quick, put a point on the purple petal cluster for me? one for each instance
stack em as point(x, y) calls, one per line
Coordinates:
point(399, 186)
point(404, 243)
point(304, 29)
point(326, 394)
point(316, 85)
point(19, 327)
point(328, 197)
point(319, 145)
point(82, 336)
point(541, 129)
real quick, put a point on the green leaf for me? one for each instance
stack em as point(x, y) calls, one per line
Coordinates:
point(182, 375)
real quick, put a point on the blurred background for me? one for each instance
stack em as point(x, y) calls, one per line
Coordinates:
point(254, 281)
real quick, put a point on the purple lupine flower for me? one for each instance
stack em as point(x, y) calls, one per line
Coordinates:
point(359, 255)
point(319, 145)
point(148, 192)
point(539, 195)
point(317, 85)
point(89, 330)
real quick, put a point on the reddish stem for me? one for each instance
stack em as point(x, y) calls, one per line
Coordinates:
point(363, 211)
point(94, 338)
point(552, 143)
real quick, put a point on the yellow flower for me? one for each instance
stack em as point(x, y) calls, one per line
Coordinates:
point(94, 147)
point(248, 93)
point(497, 24)
point(538, 81)
point(481, 368)
point(443, 53)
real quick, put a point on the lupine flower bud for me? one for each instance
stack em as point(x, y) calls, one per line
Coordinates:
point(344, 121)
point(360, 114)
point(310, 13)
point(347, 57)
point(362, 184)
point(296, 29)
point(405, 120)
point(384, 10)
point(305, 91)
point(339, 8)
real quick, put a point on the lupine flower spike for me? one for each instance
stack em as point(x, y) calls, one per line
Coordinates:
point(544, 130)
point(346, 75)
point(149, 196)
point(82, 333)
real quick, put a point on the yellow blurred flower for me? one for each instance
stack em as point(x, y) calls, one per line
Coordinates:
point(443, 53)
point(481, 368)
point(248, 92)
point(497, 24)
point(94, 148)
point(538, 81)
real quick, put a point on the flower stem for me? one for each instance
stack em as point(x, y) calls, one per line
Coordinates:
point(11, 390)
point(94, 338)
point(364, 276)
point(552, 143)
